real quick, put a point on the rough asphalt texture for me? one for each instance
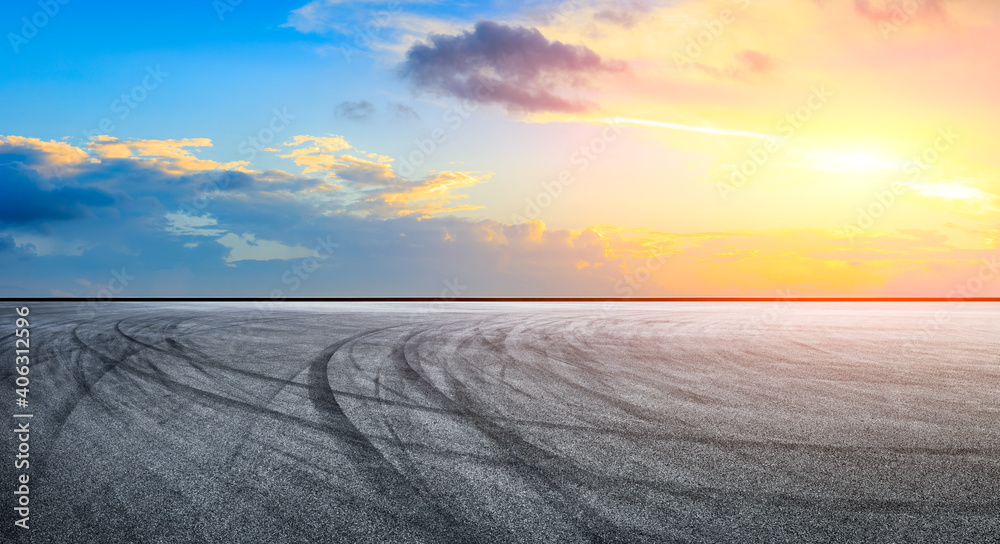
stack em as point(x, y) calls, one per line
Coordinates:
point(509, 422)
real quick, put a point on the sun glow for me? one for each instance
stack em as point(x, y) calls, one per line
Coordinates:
point(852, 161)
point(690, 128)
point(952, 190)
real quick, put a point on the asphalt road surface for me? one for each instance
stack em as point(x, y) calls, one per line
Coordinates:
point(509, 422)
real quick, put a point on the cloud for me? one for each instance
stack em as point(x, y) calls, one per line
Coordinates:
point(170, 155)
point(35, 150)
point(402, 111)
point(354, 111)
point(7, 244)
point(247, 247)
point(363, 172)
point(11, 252)
point(394, 238)
point(755, 62)
point(749, 65)
point(319, 16)
point(320, 156)
point(888, 11)
point(245, 238)
point(804, 262)
point(112, 195)
point(624, 15)
point(186, 225)
point(371, 185)
point(25, 202)
point(311, 17)
point(421, 198)
point(513, 66)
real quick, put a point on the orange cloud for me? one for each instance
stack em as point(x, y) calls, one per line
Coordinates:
point(650, 263)
point(319, 156)
point(370, 186)
point(173, 156)
point(430, 196)
point(56, 153)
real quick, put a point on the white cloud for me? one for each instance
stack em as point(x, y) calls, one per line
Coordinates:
point(187, 225)
point(247, 247)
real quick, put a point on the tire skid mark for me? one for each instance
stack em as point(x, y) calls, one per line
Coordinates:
point(38, 357)
point(167, 330)
point(535, 457)
point(536, 467)
point(472, 530)
point(313, 389)
point(210, 399)
point(522, 458)
point(367, 456)
point(551, 376)
point(463, 376)
point(177, 350)
point(84, 383)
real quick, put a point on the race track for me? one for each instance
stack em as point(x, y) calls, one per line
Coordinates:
point(509, 422)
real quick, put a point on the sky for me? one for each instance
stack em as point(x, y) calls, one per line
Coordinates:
point(586, 148)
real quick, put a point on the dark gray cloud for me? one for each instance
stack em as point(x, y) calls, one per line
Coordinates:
point(7, 243)
point(8, 246)
point(10, 154)
point(516, 67)
point(229, 180)
point(25, 202)
point(355, 111)
point(622, 14)
point(402, 111)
